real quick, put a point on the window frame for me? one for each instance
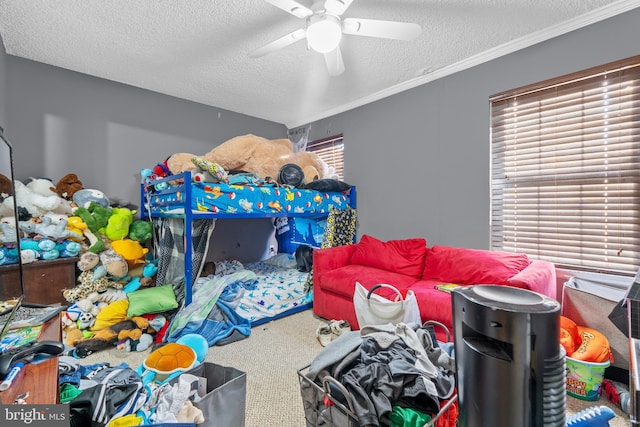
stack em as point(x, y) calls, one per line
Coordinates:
point(505, 225)
point(331, 151)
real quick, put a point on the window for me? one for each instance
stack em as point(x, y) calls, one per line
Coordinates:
point(331, 150)
point(565, 178)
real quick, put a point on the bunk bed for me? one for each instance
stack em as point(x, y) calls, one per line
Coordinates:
point(177, 197)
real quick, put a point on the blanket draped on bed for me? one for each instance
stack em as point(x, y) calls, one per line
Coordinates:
point(209, 315)
point(170, 242)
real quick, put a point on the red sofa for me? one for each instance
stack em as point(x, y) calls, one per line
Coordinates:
point(410, 264)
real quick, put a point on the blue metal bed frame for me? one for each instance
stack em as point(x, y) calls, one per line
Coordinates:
point(189, 215)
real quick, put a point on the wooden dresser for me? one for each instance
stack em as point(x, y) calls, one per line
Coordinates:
point(43, 280)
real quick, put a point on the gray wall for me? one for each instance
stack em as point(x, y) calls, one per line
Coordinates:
point(3, 84)
point(420, 159)
point(62, 122)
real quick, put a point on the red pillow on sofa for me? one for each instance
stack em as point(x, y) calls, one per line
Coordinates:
point(473, 266)
point(399, 256)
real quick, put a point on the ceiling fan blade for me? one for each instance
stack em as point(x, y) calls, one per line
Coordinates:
point(283, 41)
point(383, 29)
point(292, 7)
point(335, 64)
point(337, 7)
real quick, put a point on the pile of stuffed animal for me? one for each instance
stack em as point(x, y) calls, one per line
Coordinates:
point(51, 218)
point(68, 220)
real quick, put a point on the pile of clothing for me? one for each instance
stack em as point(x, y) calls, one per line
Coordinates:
point(115, 396)
point(388, 374)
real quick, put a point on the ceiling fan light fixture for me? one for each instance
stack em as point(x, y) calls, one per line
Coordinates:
point(324, 33)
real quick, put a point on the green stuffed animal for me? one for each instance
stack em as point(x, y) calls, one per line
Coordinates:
point(141, 231)
point(118, 224)
point(96, 217)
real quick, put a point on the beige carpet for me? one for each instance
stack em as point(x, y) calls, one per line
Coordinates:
point(271, 357)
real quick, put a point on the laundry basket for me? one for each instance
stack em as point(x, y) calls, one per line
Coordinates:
point(329, 404)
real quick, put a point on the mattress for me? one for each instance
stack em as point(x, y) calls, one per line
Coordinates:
point(279, 291)
point(247, 200)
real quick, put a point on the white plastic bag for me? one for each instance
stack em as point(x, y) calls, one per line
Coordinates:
point(372, 309)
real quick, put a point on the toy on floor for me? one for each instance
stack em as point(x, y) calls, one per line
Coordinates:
point(618, 394)
point(141, 344)
point(595, 416)
point(582, 343)
point(156, 323)
point(172, 359)
point(105, 338)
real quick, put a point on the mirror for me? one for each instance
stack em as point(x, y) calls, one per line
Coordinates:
point(11, 278)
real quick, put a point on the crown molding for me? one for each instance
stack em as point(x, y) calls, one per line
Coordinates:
point(515, 45)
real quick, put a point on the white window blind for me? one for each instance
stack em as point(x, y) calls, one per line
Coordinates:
point(331, 150)
point(565, 179)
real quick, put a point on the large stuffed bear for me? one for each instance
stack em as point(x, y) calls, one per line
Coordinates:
point(255, 154)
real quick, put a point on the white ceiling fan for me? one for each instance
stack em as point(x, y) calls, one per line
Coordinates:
point(325, 26)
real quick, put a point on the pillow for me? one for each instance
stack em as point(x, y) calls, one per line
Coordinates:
point(398, 256)
point(473, 266)
point(213, 168)
point(327, 185)
point(534, 279)
point(282, 260)
point(151, 300)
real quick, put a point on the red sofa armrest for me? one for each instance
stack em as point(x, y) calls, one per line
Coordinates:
point(539, 276)
point(325, 303)
point(328, 259)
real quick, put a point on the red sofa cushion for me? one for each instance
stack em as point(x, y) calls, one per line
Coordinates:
point(537, 276)
point(342, 281)
point(473, 266)
point(399, 256)
point(434, 304)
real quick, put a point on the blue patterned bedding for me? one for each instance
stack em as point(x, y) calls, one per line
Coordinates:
point(268, 289)
point(248, 200)
point(278, 290)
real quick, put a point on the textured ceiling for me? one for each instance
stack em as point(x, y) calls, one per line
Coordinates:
point(199, 49)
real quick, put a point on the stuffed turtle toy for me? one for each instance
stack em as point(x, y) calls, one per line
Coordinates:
point(169, 359)
point(172, 359)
